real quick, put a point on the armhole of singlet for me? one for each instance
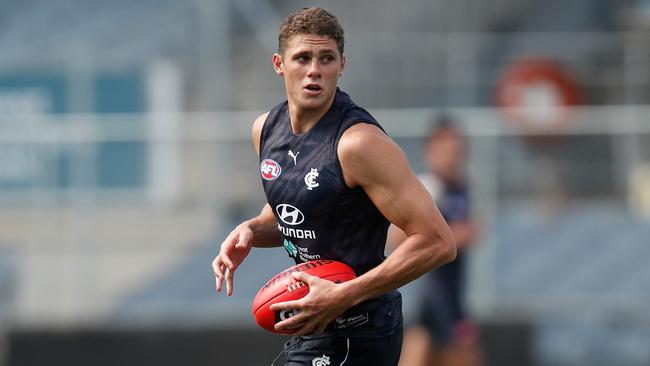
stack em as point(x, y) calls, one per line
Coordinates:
point(269, 117)
point(338, 138)
point(262, 136)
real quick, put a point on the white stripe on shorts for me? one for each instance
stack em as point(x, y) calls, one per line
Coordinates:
point(346, 353)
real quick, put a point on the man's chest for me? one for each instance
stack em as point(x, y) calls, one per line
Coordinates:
point(301, 174)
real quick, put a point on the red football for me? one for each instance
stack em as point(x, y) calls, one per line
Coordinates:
point(283, 287)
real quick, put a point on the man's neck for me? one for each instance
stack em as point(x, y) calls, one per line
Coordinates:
point(303, 120)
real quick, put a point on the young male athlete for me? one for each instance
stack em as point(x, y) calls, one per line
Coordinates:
point(334, 181)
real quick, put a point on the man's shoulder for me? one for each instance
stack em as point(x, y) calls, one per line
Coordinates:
point(256, 130)
point(360, 136)
point(362, 144)
point(259, 121)
point(363, 151)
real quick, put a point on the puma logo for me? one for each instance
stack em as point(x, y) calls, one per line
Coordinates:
point(294, 156)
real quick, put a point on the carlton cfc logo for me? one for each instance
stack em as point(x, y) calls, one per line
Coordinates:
point(270, 169)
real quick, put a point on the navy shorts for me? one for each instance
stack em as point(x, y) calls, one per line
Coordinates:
point(446, 326)
point(344, 351)
point(436, 315)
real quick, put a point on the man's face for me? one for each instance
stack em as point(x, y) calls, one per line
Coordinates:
point(311, 66)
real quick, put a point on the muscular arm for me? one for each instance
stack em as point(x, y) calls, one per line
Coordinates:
point(464, 232)
point(373, 161)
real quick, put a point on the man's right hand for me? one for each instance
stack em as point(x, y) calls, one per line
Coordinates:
point(233, 251)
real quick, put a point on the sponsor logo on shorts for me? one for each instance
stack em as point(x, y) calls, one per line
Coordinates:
point(321, 361)
point(270, 169)
point(351, 321)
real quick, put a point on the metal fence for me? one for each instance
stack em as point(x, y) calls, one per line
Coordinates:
point(565, 221)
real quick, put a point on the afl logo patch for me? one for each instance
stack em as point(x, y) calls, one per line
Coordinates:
point(270, 169)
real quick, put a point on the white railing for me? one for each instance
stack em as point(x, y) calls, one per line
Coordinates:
point(70, 242)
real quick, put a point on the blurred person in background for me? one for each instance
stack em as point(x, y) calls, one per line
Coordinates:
point(334, 181)
point(442, 334)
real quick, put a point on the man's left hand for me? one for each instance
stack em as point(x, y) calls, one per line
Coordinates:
point(316, 310)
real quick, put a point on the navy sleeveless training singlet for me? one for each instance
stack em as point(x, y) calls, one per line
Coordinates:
point(319, 216)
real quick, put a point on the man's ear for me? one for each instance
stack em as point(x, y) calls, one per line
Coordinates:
point(277, 64)
point(343, 60)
